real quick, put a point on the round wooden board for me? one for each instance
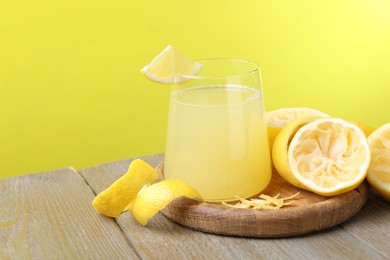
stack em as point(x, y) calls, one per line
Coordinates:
point(309, 213)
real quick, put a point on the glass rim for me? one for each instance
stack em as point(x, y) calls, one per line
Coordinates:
point(255, 68)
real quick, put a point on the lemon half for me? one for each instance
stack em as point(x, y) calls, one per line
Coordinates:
point(279, 118)
point(379, 171)
point(328, 156)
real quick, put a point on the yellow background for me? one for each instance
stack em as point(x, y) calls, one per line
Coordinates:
point(71, 93)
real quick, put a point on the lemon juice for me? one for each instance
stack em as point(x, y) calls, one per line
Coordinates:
point(217, 141)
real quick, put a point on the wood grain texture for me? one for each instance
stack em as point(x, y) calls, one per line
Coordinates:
point(164, 239)
point(310, 212)
point(371, 225)
point(50, 216)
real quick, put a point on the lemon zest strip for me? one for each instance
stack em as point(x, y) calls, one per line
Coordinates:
point(264, 202)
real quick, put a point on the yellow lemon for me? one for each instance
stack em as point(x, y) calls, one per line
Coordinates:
point(167, 66)
point(379, 171)
point(279, 118)
point(328, 156)
point(112, 201)
point(281, 145)
point(366, 128)
point(156, 196)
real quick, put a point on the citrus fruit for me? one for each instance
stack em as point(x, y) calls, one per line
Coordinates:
point(379, 171)
point(281, 145)
point(167, 67)
point(366, 128)
point(279, 118)
point(112, 201)
point(328, 156)
point(156, 196)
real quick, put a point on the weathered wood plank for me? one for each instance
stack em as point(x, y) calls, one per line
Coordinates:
point(50, 216)
point(372, 225)
point(162, 238)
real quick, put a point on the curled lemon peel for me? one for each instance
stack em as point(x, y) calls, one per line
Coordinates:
point(114, 200)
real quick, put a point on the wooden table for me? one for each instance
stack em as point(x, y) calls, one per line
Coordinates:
point(50, 216)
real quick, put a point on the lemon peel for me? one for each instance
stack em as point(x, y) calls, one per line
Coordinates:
point(157, 196)
point(112, 201)
point(264, 202)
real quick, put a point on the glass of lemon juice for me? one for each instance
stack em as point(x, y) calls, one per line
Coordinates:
point(217, 136)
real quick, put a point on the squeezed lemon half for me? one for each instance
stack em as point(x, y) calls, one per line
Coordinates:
point(279, 118)
point(379, 171)
point(328, 156)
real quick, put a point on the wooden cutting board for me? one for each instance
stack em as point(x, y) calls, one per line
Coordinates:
point(309, 213)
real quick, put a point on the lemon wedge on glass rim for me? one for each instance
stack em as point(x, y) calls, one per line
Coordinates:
point(328, 156)
point(379, 171)
point(167, 67)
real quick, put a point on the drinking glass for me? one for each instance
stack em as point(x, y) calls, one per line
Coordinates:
point(217, 136)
